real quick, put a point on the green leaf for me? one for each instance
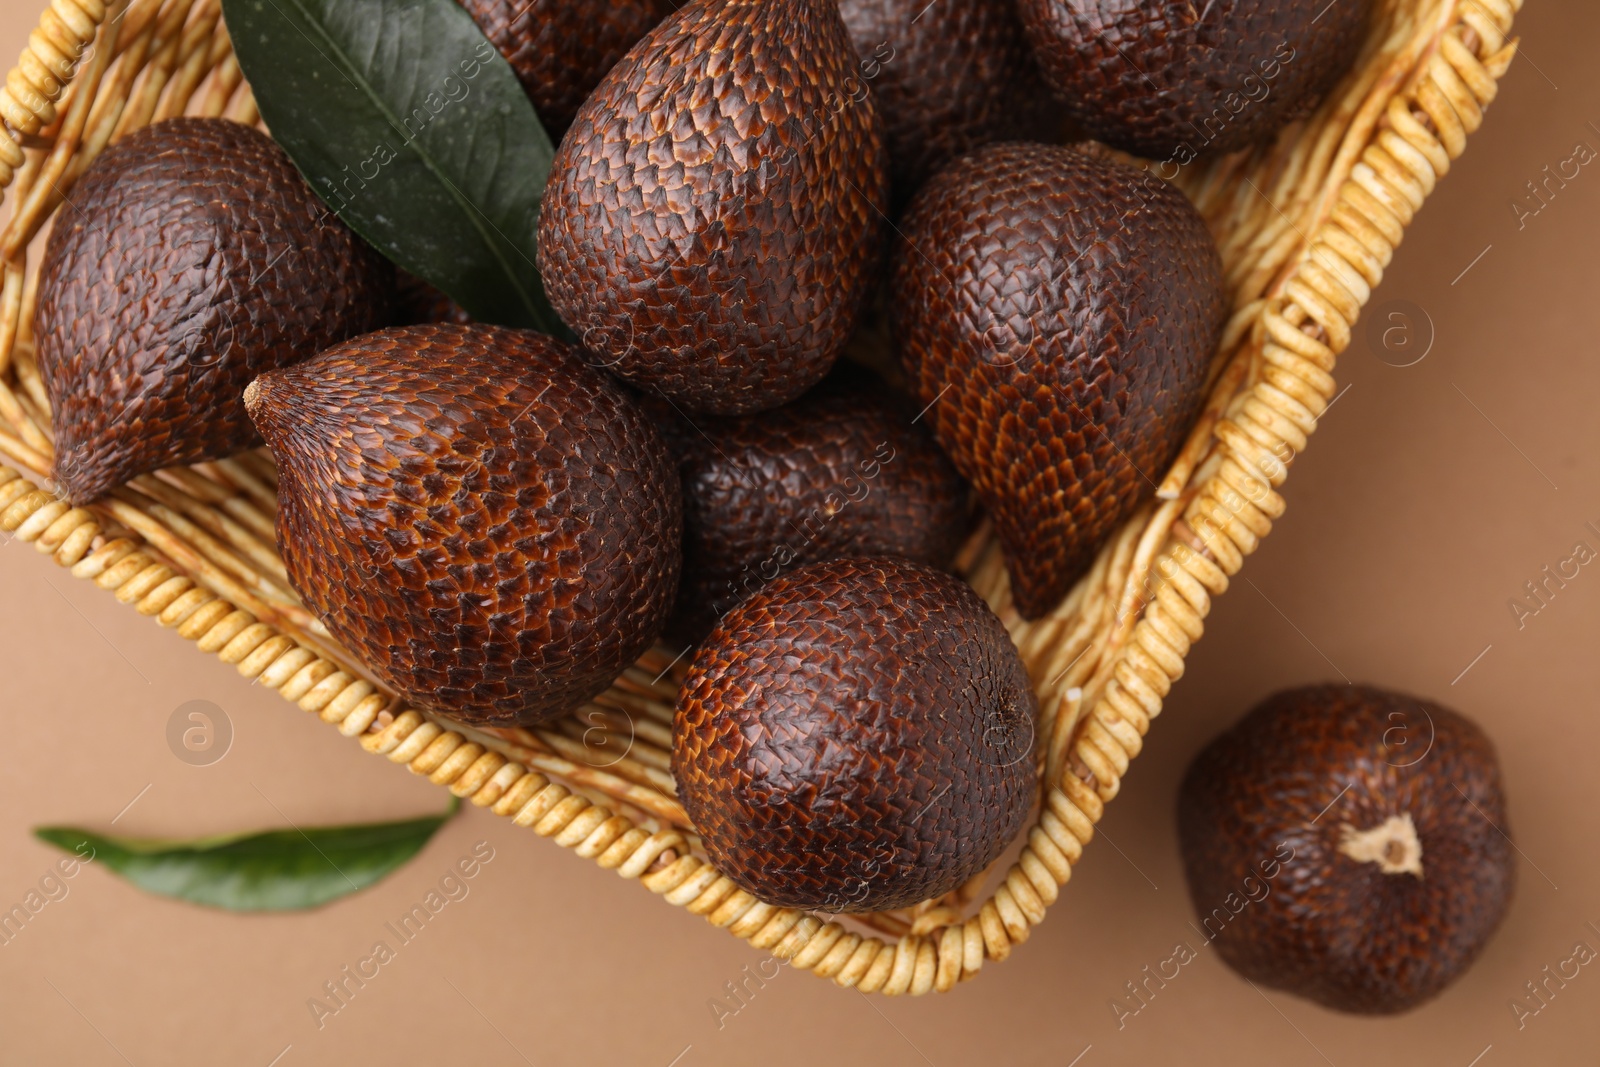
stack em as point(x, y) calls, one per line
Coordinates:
point(279, 870)
point(412, 127)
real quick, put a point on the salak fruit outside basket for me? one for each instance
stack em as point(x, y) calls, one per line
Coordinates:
point(1383, 818)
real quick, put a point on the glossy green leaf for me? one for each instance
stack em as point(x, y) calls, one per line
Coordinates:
point(279, 870)
point(409, 124)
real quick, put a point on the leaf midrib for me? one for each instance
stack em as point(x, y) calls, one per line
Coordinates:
point(472, 210)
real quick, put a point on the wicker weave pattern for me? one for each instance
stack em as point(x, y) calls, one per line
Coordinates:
point(1306, 228)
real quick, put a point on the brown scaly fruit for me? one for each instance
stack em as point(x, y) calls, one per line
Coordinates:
point(947, 78)
point(846, 470)
point(1057, 311)
point(560, 49)
point(1348, 844)
point(1173, 79)
point(486, 522)
point(178, 276)
point(421, 302)
point(711, 228)
point(857, 736)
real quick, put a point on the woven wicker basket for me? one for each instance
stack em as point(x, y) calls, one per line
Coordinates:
point(1306, 228)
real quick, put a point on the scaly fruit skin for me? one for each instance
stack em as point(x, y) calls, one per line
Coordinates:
point(1172, 79)
point(947, 78)
point(856, 736)
point(1284, 784)
point(711, 227)
point(487, 523)
point(560, 49)
point(419, 302)
point(843, 471)
point(1058, 311)
point(194, 258)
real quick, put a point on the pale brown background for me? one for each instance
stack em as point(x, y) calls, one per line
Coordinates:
point(1412, 521)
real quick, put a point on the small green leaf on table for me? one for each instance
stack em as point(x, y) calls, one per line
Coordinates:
point(278, 870)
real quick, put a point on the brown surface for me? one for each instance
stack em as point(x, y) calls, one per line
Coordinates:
point(1412, 521)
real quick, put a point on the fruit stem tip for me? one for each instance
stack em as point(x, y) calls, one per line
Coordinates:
point(1393, 845)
